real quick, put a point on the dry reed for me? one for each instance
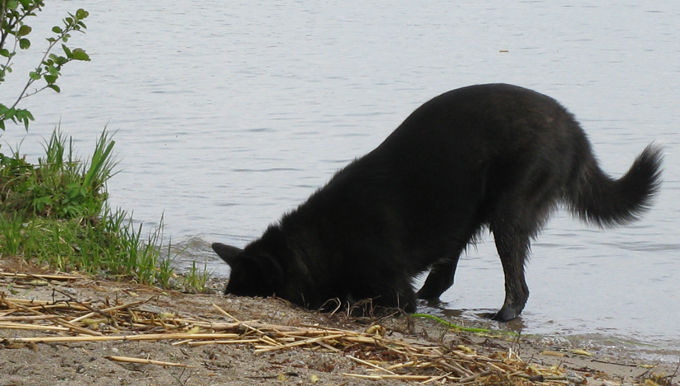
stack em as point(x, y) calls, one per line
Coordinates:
point(383, 357)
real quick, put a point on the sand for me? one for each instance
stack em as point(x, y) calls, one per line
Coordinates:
point(362, 347)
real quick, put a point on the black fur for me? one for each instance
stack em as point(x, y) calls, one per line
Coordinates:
point(489, 155)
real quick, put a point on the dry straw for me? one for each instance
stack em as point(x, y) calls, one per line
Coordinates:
point(382, 357)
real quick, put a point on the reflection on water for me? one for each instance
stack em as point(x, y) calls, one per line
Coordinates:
point(228, 115)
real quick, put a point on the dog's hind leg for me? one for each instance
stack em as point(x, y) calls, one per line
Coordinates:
point(513, 246)
point(518, 216)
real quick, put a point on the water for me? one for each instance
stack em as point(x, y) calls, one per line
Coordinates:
point(228, 115)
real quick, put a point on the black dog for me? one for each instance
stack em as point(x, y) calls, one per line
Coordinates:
point(489, 155)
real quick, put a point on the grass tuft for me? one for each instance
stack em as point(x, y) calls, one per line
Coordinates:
point(55, 212)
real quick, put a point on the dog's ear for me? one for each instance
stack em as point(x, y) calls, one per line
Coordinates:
point(228, 253)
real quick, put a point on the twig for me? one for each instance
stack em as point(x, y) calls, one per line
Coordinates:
point(404, 377)
point(262, 349)
point(221, 310)
point(45, 277)
point(146, 361)
point(53, 339)
point(475, 376)
point(363, 362)
point(612, 363)
point(27, 318)
point(104, 312)
point(25, 326)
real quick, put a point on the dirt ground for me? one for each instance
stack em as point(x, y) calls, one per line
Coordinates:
point(91, 363)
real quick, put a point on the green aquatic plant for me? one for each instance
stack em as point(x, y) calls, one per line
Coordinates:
point(461, 328)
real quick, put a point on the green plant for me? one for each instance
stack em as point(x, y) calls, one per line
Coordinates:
point(144, 256)
point(196, 279)
point(10, 234)
point(461, 328)
point(56, 212)
point(165, 270)
point(14, 36)
point(59, 186)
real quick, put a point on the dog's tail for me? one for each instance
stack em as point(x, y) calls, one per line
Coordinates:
point(597, 198)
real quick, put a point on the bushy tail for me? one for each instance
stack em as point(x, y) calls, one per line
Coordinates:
point(597, 198)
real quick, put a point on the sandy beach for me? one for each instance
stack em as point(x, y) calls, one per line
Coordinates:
point(64, 328)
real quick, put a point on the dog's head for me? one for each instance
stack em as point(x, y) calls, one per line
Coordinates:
point(252, 274)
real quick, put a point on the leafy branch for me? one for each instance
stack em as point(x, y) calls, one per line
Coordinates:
point(12, 15)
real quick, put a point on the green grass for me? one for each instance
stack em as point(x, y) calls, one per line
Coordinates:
point(196, 278)
point(55, 212)
point(59, 186)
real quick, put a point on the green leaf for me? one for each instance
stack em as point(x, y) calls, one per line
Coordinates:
point(54, 87)
point(34, 75)
point(56, 29)
point(24, 116)
point(67, 51)
point(24, 30)
point(40, 202)
point(4, 52)
point(80, 54)
point(56, 60)
point(52, 70)
point(20, 114)
point(50, 78)
point(12, 4)
point(24, 44)
point(82, 14)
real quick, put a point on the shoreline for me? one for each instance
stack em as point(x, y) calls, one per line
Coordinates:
point(601, 343)
point(238, 362)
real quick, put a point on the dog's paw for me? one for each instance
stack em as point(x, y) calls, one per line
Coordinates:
point(505, 314)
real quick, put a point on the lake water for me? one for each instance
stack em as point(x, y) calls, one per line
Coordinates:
point(227, 114)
